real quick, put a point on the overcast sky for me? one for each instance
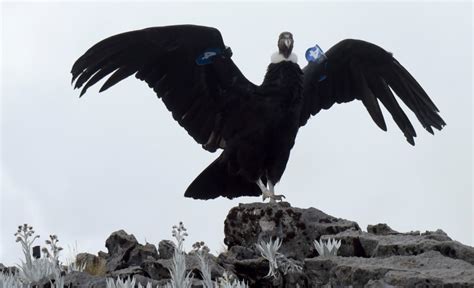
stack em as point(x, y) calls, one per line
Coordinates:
point(84, 168)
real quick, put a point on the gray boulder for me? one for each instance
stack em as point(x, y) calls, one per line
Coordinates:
point(429, 269)
point(247, 224)
point(363, 244)
point(166, 249)
point(124, 251)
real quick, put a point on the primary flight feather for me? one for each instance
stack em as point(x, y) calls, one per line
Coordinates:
point(191, 70)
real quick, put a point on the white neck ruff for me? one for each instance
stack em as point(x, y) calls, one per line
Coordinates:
point(277, 58)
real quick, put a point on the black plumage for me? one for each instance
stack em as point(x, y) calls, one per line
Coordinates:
point(255, 125)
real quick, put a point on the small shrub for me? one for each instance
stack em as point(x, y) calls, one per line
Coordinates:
point(269, 251)
point(129, 283)
point(179, 277)
point(328, 248)
point(11, 281)
point(202, 251)
point(227, 281)
point(97, 267)
point(72, 263)
point(278, 263)
point(34, 270)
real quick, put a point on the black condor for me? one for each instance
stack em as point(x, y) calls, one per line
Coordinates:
point(191, 70)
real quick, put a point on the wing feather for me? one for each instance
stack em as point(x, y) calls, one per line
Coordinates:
point(119, 75)
point(360, 70)
point(164, 57)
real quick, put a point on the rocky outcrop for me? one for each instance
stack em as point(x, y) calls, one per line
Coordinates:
point(125, 251)
point(363, 244)
point(248, 224)
point(429, 269)
point(380, 257)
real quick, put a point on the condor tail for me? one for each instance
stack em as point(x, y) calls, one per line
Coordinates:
point(216, 181)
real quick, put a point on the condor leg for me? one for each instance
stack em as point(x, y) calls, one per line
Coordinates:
point(270, 193)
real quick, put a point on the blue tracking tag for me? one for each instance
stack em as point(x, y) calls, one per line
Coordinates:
point(208, 56)
point(315, 54)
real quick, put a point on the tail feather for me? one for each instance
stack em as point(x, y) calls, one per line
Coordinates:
point(215, 181)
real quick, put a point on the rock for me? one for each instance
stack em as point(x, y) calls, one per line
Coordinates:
point(379, 258)
point(254, 272)
point(94, 265)
point(103, 255)
point(428, 269)
point(381, 229)
point(247, 224)
point(125, 251)
point(165, 249)
point(119, 245)
point(236, 253)
point(157, 269)
point(142, 252)
point(384, 229)
point(241, 253)
point(363, 244)
point(127, 272)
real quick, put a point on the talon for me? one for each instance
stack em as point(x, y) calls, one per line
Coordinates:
point(269, 192)
point(273, 198)
point(279, 197)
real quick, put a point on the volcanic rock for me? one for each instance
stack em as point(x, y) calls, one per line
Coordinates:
point(363, 244)
point(249, 224)
point(124, 251)
point(429, 269)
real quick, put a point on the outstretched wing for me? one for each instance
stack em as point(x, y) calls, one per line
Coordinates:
point(197, 93)
point(355, 69)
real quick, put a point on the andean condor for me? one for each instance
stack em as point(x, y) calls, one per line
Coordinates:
point(191, 70)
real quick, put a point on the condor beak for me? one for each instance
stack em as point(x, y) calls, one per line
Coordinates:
point(287, 43)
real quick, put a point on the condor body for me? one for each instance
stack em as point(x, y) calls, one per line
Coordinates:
point(191, 70)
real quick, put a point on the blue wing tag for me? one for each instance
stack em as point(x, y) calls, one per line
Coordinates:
point(208, 56)
point(315, 54)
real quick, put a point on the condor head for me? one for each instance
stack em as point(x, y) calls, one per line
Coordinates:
point(285, 44)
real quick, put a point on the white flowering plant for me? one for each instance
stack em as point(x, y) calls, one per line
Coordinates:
point(278, 263)
point(328, 248)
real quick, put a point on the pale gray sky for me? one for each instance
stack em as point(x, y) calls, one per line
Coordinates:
point(83, 168)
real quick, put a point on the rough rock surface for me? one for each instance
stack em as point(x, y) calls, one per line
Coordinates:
point(125, 251)
point(381, 257)
point(165, 249)
point(247, 224)
point(363, 244)
point(429, 269)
